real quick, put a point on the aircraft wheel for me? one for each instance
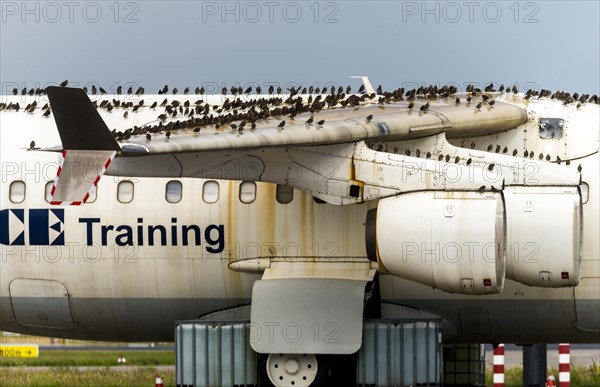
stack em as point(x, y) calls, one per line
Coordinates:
point(298, 370)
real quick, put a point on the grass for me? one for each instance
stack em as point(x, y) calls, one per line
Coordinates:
point(64, 376)
point(582, 376)
point(73, 358)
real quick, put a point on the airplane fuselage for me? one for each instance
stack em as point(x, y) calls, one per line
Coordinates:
point(147, 252)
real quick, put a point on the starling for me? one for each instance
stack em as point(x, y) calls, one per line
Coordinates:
point(411, 105)
point(47, 113)
point(119, 90)
point(457, 101)
point(492, 102)
point(489, 148)
point(491, 167)
point(148, 137)
point(369, 118)
point(579, 168)
point(469, 162)
point(281, 124)
point(424, 108)
point(32, 145)
point(126, 114)
point(102, 91)
point(310, 121)
point(168, 134)
point(505, 149)
point(320, 123)
point(64, 83)
point(481, 189)
point(515, 152)
point(153, 105)
point(478, 106)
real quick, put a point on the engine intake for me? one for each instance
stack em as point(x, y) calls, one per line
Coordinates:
point(453, 241)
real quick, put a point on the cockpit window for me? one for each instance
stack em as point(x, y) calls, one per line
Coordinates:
point(551, 128)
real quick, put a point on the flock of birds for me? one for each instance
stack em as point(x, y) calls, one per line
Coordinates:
point(239, 114)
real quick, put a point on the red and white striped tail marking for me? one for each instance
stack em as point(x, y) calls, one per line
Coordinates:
point(78, 175)
point(499, 366)
point(564, 365)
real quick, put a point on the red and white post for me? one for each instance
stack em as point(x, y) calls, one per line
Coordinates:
point(499, 365)
point(564, 365)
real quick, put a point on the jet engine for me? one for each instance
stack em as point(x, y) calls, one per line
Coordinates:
point(453, 241)
point(544, 240)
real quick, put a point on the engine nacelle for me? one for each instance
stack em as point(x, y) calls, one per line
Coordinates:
point(544, 239)
point(453, 241)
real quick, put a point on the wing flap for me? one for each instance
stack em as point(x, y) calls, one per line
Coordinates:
point(78, 175)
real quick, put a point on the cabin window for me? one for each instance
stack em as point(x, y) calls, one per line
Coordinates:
point(48, 191)
point(285, 194)
point(247, 191)
point(585, 192)
point(174, 191)
point(17, 191)
point(93, 194)
point(210, 191)
point(125, 191)
point(551, 128)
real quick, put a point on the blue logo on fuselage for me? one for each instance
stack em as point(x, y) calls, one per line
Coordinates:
point(41, 227)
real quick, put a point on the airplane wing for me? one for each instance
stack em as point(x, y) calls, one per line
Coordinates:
point(293, 124)
point(81, 127)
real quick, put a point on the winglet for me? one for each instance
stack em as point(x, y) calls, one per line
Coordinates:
point(368, 87)
point(88, 145)
point(78, 122)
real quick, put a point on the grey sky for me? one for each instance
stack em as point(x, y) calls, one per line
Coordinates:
point(551, 44)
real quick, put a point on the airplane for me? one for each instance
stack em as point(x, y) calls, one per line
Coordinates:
point(121, 214)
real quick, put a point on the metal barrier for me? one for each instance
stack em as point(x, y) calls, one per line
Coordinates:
point(393, 353)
